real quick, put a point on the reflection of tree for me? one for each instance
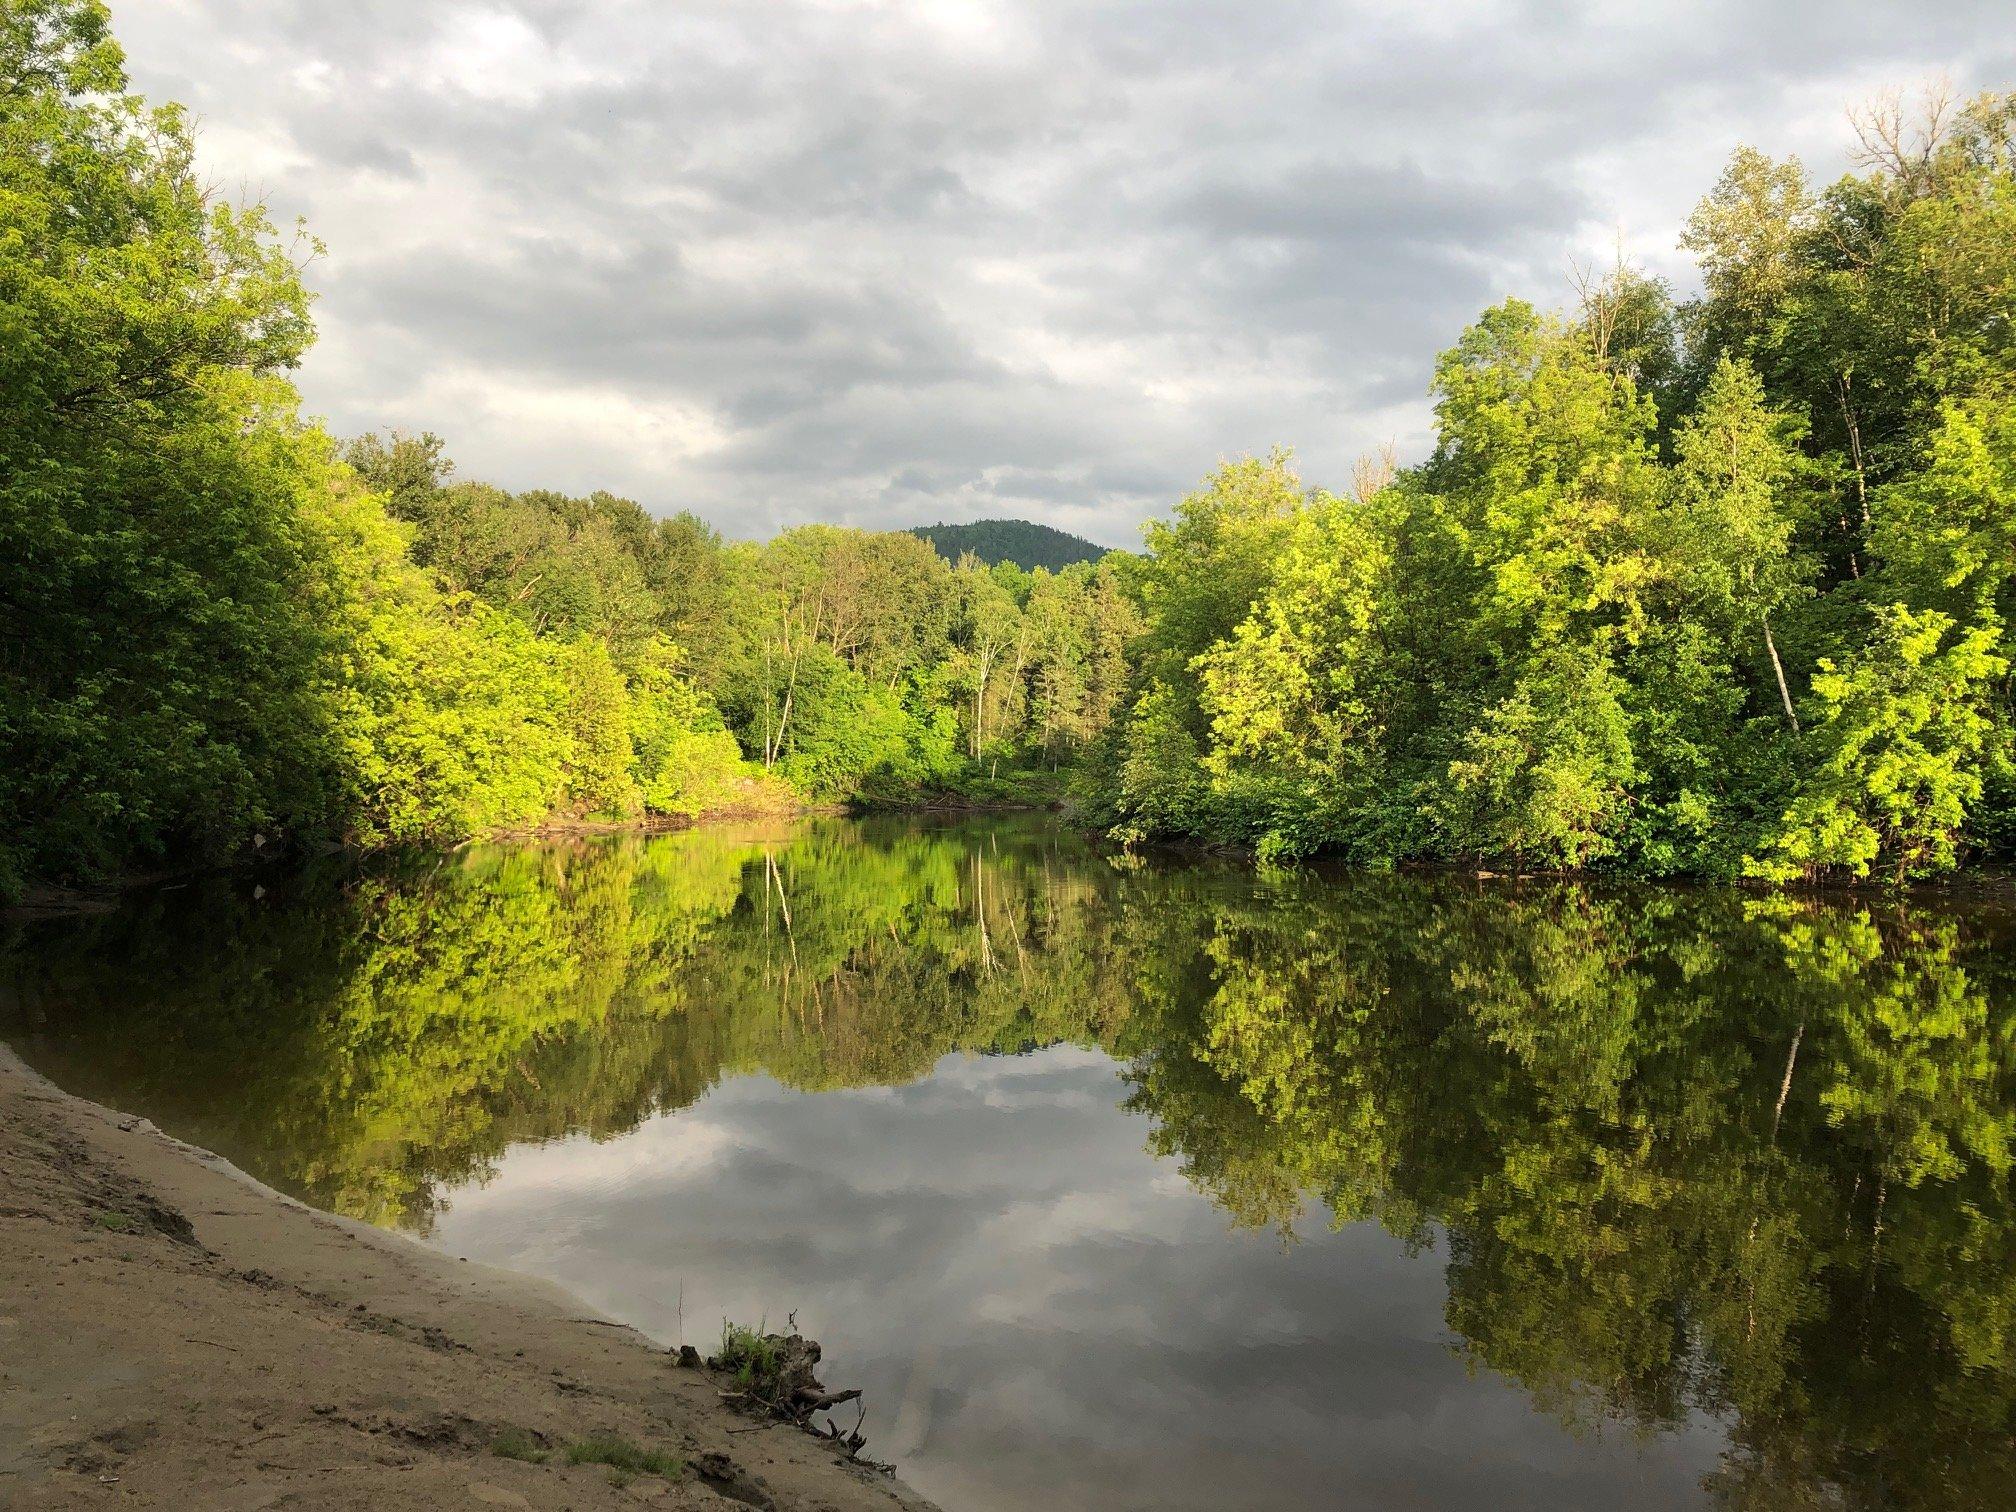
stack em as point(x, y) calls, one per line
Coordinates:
point(1690, 1153)
point(1686, 1151)
point(371, 1036)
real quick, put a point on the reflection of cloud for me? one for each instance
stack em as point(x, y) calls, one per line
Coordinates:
point(891, 262)
point(1032, 1302)
point(581, 1163)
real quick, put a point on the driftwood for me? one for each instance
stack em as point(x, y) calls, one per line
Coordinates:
point(774, 1378)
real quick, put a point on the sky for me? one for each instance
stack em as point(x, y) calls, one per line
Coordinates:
point(886, 264)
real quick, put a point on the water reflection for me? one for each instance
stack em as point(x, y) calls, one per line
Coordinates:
point(1719, 1182)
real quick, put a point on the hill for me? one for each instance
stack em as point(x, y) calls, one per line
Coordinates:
point(1022, 542)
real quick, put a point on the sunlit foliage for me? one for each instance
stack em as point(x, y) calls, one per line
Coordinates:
point(1683, 588)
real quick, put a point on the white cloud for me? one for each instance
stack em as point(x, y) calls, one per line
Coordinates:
point(892, 262)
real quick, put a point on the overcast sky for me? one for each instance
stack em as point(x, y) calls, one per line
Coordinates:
point(785, 260)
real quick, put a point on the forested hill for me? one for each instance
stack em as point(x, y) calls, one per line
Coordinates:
point(1023, 542)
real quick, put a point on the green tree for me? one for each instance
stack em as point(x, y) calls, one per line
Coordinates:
point(408, 472)
point(1293, 694)
point(1904, 734)
point(152, 627)
point(1733, 519)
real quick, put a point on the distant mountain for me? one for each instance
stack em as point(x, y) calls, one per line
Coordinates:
point(1022, 542)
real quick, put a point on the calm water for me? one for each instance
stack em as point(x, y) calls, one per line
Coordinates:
point(1155, 1186)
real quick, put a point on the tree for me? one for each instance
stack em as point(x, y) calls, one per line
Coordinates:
point(1946, 535)
point(1545, 461)
point(987, 630)
point(152, 627)
point(685, 760)
point(1546, 775)
point(1748, 237)
point(1205, 567)
point(1904, 733)
point(1732, 521)
point(1293, 695)
point(408, 472)
point(600, 758)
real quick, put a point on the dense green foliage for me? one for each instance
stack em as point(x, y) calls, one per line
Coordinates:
point(1699, 587)
point(1681, 1151)
point(1024, 543)
point(848, 664)
point(155, 634)
point(1709, 587)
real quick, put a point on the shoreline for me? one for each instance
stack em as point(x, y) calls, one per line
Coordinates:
point(174, 1333)
point(1987, 883)
point(43, 900)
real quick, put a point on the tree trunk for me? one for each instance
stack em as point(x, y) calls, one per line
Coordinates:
point(1777, 666)
point(1854, 424)
point(783, 721)
point(1785, 1086)
point(980, 699)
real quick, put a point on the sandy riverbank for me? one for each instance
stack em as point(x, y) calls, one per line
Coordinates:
point(174, 1335)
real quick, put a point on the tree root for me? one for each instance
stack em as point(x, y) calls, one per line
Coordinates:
point(773, 1378)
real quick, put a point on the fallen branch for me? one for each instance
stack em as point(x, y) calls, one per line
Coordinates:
point(811, 1401)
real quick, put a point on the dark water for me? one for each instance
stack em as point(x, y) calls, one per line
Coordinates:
point(1156, 1186)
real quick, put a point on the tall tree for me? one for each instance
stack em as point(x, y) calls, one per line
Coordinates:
point(153, 633)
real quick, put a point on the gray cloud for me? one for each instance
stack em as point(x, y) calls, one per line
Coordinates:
point(889, 263)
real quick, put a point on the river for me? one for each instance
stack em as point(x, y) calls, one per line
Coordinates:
point(1164, 1183)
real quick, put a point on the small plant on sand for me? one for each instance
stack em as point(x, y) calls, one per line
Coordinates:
point(624, 1458)
point(756, 1358)
point(515, 1444)
point(114, 1220)
point(774, 1376)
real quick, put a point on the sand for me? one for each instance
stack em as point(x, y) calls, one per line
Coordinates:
point(175, 1335)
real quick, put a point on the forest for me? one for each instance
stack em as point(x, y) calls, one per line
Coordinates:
point(1020, 541)
point(1707, 585)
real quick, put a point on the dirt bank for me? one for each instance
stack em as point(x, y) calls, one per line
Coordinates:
point(174, 1335)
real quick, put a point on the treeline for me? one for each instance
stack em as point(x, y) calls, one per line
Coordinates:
point(1708, 586)
point(847, 664)
point(1686, 587)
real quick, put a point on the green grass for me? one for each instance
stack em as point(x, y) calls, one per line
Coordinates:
point(752, 1357)
point(511, 1444)
point(117, 1222)
point(624, 1457)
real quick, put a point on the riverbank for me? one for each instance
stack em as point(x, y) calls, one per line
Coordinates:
point(173, 1335)
point(53, 900)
